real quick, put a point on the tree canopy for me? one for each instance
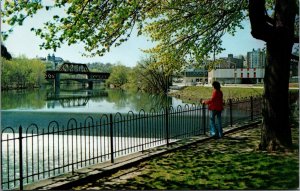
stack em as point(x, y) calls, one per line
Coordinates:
point(185, 31)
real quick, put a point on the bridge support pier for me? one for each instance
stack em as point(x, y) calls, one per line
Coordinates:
point(57, 83)
point(90, 85)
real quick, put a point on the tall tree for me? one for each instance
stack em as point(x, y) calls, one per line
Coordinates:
point(185, 31)
point(278, 33)
point(152, 76)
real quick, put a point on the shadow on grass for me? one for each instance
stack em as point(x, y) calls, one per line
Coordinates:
point(229, 163)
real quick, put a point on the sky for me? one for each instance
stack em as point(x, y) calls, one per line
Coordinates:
point(24, 42)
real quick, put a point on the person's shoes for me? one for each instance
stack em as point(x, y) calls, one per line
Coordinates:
point(214, 136)
point(217, 137)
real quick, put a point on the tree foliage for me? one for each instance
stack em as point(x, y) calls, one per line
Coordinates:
point(118, 76)
point(185, 30)
point(100, 67)
point(21, 73)
point(151, 77)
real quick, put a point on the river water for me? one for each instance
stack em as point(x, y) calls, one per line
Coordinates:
point(41, 106)
point(48, 151)
point(50, 154)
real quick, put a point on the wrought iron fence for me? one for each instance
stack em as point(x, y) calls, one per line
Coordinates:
point(32, 153)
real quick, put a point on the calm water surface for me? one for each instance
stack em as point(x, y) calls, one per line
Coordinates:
point(42, 106)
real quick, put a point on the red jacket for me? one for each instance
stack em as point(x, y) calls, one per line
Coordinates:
point(216, 101)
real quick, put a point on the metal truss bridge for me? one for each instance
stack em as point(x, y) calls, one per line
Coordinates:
point(75, 68)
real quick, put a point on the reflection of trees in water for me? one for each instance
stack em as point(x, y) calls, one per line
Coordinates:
point(151, 101)
point(119, 97)
point(23, 99)
point(139, 100)
point(37, 99)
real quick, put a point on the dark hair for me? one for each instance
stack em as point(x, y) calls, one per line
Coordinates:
point(216, 85)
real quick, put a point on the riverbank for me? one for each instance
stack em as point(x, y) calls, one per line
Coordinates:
point(229, 163)
point(197, 93)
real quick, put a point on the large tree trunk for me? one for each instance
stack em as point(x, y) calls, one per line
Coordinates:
point(5, 53)
point(276, 130)
point(279, 35)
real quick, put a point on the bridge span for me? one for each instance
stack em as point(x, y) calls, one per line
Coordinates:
point(75, 68)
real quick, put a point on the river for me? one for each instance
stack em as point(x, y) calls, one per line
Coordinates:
point(40, 106)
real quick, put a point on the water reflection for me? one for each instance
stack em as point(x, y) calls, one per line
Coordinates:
point(83, 100)
point(41, 106)
point(73, 98)
point(23, 99)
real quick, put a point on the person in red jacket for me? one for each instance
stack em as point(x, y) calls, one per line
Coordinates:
point(215, 105)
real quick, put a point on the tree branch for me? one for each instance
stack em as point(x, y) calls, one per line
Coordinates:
point(260, 27)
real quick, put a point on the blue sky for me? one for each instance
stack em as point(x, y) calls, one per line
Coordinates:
point(24, 42)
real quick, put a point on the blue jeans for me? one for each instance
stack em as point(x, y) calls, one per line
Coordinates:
point(212, 125)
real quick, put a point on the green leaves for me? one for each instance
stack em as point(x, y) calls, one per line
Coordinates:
point(119, 75)
point(185, 31)
point(22, 72)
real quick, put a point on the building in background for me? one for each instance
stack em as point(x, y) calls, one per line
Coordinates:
point(55, 60)
point(237, 75)
point(256, 59)
point(232, 70)
point(52, 59)
point(229, 62)
point(193, 76)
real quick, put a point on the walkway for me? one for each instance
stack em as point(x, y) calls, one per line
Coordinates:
point(229, 163)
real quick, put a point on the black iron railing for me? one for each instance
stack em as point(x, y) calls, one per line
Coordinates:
point(32, 153)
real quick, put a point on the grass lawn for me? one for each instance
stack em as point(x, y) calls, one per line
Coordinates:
point(195, 93)
point(228, 163)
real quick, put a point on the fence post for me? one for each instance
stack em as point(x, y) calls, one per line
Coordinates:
point(167, 125)
point(111, 139)
point(204, 118)
point(251, 105)
point(20, 158)
point(230, 111)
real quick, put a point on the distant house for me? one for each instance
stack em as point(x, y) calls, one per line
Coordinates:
point(55, 60)
point(192, 76)
point(52, 59)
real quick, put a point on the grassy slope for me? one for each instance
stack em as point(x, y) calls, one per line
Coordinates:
point(196, 93)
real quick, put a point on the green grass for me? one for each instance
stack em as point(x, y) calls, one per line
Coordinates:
point(228, 163)
point(195, 93)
